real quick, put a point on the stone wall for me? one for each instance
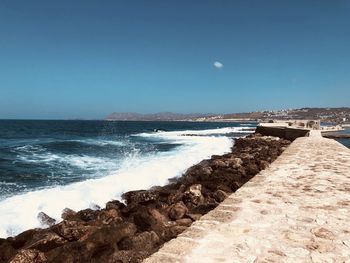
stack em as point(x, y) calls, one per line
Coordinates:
point(282, 132)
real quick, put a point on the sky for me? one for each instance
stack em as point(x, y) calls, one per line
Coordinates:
point(86, 59)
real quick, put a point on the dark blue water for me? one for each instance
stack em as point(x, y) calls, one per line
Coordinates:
point(40, 154)
point(346, 142)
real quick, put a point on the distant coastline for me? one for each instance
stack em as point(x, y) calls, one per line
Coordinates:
point(326, 115)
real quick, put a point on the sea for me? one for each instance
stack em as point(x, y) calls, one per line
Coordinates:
point(46, 166)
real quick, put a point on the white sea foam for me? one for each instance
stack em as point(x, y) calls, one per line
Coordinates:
point(19, 212)
point(101, 142)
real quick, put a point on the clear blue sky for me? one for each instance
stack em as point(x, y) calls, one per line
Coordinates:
point(68, 59)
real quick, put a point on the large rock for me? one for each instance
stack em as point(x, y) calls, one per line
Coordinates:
point(108, 216)
point(29, 256)
point(115, 204)
point(44, 241)
point(193, 195)
point(140, 197)
point(178, 211)
point(70, 215)
point(127, 256)
point(45, 220)
point(73, 230)
point(88, 214)
point(6, 250)
point(145, 241)
point(112, 234)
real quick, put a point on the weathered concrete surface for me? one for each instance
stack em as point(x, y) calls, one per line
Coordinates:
point(297, 210)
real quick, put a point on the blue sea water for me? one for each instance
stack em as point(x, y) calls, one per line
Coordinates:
point(49, 165)
point(346, 142)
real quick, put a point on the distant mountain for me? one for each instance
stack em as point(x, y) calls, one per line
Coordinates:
point(162, 116)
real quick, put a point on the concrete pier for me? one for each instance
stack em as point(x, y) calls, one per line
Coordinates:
point(297, 210)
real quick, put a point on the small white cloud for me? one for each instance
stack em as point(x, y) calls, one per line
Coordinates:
point(218, 64)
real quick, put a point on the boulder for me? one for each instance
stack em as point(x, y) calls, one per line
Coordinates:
point(73, 230)
point(6, 250)
point(115, 204)
point(44, 241)
point(140, 197)
point(219, 196)
point(127, 256)
point(177, 211)
point(193, 194)
point(144, 241)
point(29, 256)
point(107, 216)
point(45, 220)
point(194, 217)
point(112, 234)
point(184, 222)
point(87, 215)
point(69, 214)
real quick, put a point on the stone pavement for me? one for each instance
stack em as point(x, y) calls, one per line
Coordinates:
point(297, 210)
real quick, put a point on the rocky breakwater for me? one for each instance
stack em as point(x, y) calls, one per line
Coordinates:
point(133, 230)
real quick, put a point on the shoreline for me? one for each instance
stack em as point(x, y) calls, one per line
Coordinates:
point(133, 231)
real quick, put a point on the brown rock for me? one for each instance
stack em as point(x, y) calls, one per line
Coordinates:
point(45, 220)
point(44, 241)
point(107, 216)
point(128, 256)
point(87, 214)
point(193, 195)
point(140, 197)
point(194, 217)
point(73, 230)
point(174, 231)
point(219, 195)
point(144, 241)
point(29, 256)
point(184, 222)
point(6, 250)
point(115, 204)
point(177, 211)
point(69, 214)
point(112, 234)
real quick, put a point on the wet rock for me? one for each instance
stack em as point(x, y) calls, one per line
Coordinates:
point(29, 256)
point(108, 216)
point(73, 230)
point(115, 204)
point(45, 220)
point(94, 206)
point(69, 214)
point(220, 196)
point(44, 241)
point(177, 211)
point(145, 241)
point(87, 214)
point(150, 217)
point(143, 219)
point(140, 197)
point(6, 250)
point(20, 240)
point(112, 234)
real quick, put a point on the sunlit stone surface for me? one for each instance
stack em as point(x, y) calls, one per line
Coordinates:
point(297, 210)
